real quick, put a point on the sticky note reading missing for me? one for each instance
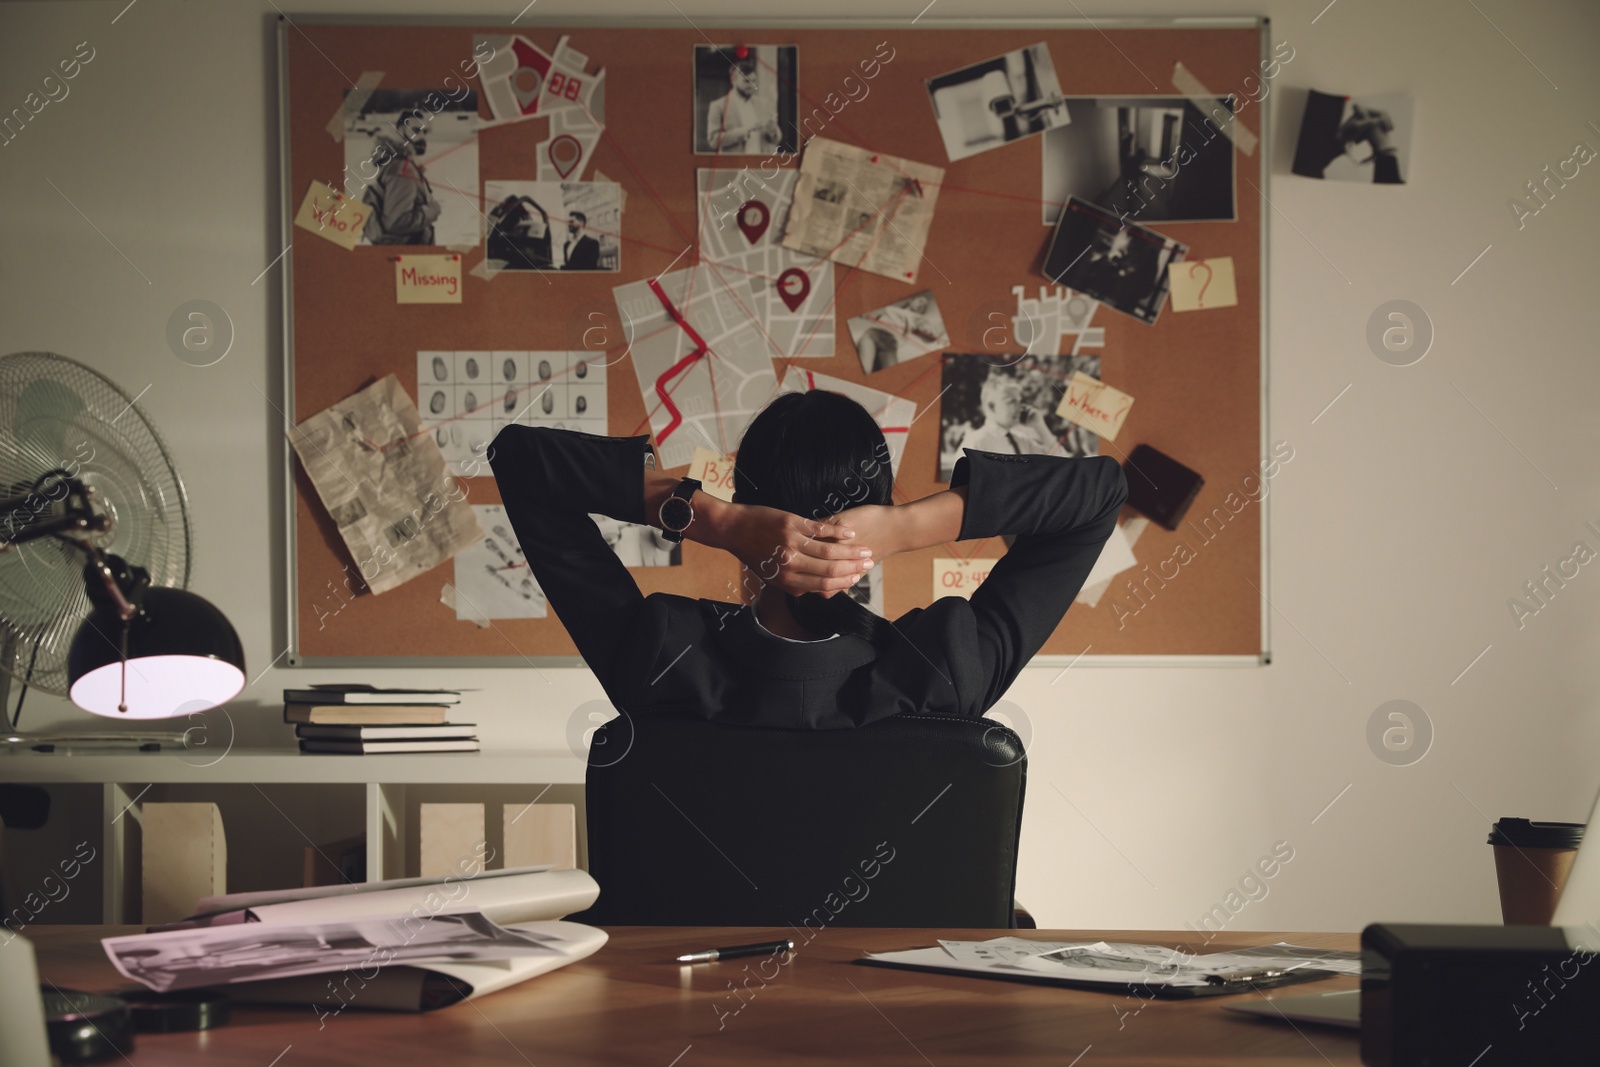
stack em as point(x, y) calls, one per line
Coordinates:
point(1094, 405)
point(714, 471)
point(1203, 284)
point(328, 213)
point(959, 577)
point(427, 279)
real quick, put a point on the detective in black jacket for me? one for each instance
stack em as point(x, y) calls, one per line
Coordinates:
point(715, 659)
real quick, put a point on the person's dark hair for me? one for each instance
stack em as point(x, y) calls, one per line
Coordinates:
point(814, 454)
point(581, 217)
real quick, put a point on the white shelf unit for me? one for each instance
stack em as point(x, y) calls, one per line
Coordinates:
point(124, 776)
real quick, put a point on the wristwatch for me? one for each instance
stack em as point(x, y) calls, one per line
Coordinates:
point(676, 514)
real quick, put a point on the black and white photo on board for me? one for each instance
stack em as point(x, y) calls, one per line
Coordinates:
point(898, 332)
point(1120, 264)
point(1007, 404)
point(638, 545)
point(1355, 139)
point(990, 104)
point(553, 226)
point(1147, 158)
point(412, 156)
point(745, 99)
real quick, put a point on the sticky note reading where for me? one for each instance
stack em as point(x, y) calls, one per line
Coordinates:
point(715, 472)
point(328, 213)
point(427, 279)
point(1094, 405)
point(1202, 284)
point(959, 577)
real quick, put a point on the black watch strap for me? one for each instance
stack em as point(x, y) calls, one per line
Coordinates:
point(676, 514)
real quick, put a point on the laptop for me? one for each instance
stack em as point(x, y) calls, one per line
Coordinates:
point(1578, 911)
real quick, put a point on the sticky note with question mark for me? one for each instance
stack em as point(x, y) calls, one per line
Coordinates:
point(1094, 405)
point(1203, 284)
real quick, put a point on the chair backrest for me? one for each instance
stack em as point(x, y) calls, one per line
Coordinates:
point(911, 821)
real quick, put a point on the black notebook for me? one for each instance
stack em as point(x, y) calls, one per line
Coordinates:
point(1160, 486)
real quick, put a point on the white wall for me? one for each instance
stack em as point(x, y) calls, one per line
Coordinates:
point(1402, 526)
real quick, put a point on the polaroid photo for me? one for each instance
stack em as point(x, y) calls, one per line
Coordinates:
point(1000, 100)
point(1008, 405)
point(390, 144)
point(1147, 158)
point(1120, 264)
point(553, 226)
point(1345, 138)
point(899, 332)
point(745, 99)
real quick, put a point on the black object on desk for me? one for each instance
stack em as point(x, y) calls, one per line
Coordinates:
point(1159, 486)
point(1490, 995)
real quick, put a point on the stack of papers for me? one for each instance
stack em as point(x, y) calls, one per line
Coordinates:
point(1116, 965)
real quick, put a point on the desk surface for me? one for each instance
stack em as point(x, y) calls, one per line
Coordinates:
point(629, 1004)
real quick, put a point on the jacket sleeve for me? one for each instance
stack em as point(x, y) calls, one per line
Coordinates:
point(1062, 511)
point(550, 481)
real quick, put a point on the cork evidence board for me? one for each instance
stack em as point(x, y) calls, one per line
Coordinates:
point(1032, 120)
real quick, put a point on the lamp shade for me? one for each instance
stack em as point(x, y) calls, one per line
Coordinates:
point(183, 656)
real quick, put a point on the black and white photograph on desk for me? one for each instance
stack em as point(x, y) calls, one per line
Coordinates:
point(1120, 264)
point(1007, 404)
point(1004, 99)
point(745, 99)
point(1355, 139)
point(1147, 158)
point(412, 156)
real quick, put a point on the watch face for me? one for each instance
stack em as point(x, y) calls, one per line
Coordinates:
point(676, 513)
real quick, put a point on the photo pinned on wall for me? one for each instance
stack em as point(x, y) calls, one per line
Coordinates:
point(1147, 158)
point(407, 154)
point(1004, 99)
point(899, 332)
point(550, 226)
point(745, 99)
point(492, 578)
point(1008, 405)
point(636, 545)
point(1345, 138)
point(1120, 264)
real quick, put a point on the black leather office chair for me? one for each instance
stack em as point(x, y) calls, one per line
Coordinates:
point(912, 821)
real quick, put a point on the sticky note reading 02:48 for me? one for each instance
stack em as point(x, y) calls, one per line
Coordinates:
point(959, 577)
point(427, 279)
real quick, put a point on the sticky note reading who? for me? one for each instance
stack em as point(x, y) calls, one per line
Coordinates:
point(1094, 405)
point(959, 577)
point(714, 471)
point(427, 279)
point(328, 213)
point(1203, 284)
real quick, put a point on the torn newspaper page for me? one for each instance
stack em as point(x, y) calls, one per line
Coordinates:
point(384, 483)
point(187, 959)
point(862, 208)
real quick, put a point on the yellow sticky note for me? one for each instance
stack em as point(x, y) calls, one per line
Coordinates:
point(328, 213)
point(715, 472)
point(427, 279)
point(1203, 284)
point(1094, 405)
point(959, 577)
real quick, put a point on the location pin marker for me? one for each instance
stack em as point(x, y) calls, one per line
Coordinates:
point(794, 285)
point(753, 220)
point(564, 152)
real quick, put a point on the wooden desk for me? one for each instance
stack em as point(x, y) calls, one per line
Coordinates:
point(629, 1004)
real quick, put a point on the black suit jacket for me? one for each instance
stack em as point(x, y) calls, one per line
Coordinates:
point(585, 255)
point(710, 658)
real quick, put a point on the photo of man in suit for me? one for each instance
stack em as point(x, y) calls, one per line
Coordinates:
point(580, 252)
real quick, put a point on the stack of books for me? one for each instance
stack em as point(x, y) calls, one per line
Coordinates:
point(354, 719)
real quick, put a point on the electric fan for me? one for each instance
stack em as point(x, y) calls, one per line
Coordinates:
point(60, 422)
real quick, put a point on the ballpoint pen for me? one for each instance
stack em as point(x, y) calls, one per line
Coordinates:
point(765, 948)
